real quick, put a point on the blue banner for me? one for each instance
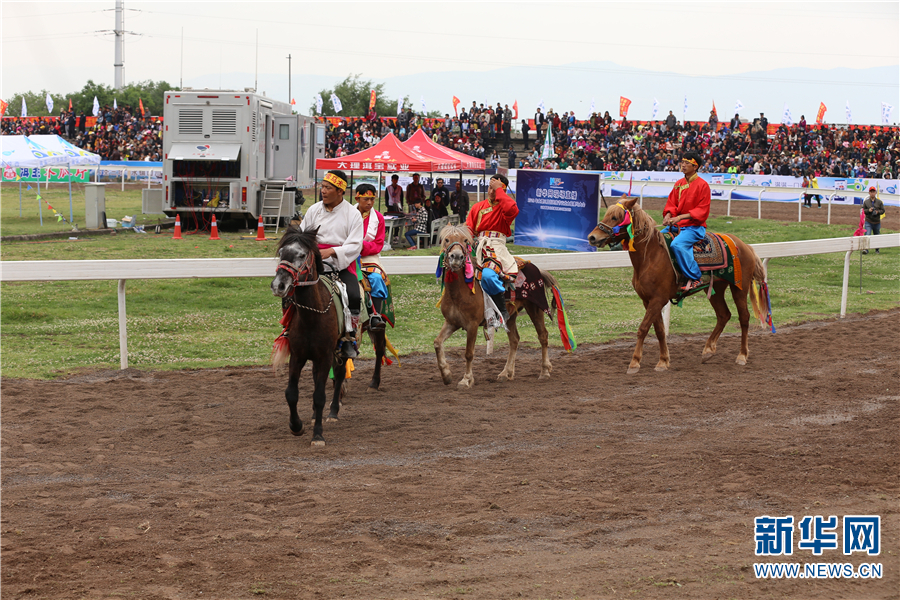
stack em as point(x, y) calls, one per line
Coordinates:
point(557, 209)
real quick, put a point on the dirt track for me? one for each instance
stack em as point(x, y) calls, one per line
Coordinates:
point(593, 484)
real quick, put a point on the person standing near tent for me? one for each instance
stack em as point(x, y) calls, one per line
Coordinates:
point(393, 196)
point(490, 222)
point(415, 191)
point(340, 237)
point(370, 257)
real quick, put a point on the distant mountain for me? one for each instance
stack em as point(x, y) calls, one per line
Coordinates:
point(574, 86)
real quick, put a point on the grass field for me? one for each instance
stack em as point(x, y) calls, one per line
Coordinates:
point(52, 329)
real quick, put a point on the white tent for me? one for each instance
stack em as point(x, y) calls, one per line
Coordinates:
point(75, 156)
point(19, 151)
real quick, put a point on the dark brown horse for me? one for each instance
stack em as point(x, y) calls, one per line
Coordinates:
point(656, 283)
point(312, 334)
point(463, 308)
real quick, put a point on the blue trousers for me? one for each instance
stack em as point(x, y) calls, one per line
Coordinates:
point(683, 249)
point(490, 282)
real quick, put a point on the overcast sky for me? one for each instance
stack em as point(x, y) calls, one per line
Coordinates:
point(60, 45)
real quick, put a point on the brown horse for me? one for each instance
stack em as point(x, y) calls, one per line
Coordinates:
point(463, 308)
point(312, 333)
point(656, 282)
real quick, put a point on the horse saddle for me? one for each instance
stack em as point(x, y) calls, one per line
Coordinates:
point(716, 256)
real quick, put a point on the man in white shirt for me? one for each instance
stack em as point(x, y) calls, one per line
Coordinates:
point(340, 239)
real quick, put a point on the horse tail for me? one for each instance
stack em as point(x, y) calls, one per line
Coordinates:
point(759, 296)
point(558, 311)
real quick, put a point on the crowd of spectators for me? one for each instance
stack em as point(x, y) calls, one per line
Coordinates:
point(466, 132)
point(603, 143)
point(117, 133)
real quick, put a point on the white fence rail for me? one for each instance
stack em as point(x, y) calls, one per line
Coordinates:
point(123, 270)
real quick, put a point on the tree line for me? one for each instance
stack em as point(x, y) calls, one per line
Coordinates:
point(149, 92)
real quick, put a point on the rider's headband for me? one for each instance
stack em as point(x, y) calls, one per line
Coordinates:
point(335, 181)
point(690, 160)
point(366, 194)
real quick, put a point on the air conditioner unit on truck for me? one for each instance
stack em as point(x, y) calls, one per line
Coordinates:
point(237, 154)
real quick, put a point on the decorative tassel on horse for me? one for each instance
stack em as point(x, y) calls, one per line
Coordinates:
point(565, 330)
point(628, 225)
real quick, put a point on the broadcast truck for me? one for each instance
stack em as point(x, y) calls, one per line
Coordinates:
point(238, 155)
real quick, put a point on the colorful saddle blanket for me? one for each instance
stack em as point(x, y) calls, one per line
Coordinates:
point(388, 306)
point(716, 254)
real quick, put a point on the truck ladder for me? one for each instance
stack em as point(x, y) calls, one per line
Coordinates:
point(272, 200)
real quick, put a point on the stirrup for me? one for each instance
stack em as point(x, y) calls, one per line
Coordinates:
point(692, 285)
point(376, 322)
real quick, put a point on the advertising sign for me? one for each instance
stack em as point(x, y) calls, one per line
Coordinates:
point(557, 209)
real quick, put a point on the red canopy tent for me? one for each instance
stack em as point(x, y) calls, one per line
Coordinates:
point(391, 156)
point(423, 144)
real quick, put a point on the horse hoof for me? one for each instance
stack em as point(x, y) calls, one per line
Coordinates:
point(662, 368)
point(706, 356)
point(371, 389)
point(465, 384)
point(545, 374)
point(504, 375)
point(318, 442)
point(446, 379)
point(741, 360)
point(331, 419)
point(633, 370)
point(298, 432)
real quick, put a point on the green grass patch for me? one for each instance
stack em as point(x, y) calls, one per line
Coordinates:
point(51, 329)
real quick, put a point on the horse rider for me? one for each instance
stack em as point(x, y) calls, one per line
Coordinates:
point(340, 239)
point(686, 212)
point(490, 223)
point(370, 257)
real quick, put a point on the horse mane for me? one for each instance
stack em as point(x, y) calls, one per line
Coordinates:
point(643, 220)
point(304, 239)
point(454, 231)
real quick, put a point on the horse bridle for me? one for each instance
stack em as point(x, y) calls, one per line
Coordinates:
point(307, 268)
point(615, 232)
point(467, 250)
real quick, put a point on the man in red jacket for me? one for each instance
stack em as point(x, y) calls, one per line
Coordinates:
point(686, 212)
point(490, 223)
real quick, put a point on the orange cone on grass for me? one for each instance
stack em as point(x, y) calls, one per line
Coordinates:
point(177, 235)
point(260, 231)
point(214, 230)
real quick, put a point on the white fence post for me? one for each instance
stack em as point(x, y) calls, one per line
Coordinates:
point(846, 284)
point(800, 208)
point(759, 204)
point(123, 330)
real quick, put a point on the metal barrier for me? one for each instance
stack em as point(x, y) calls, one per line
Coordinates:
point(203, 268)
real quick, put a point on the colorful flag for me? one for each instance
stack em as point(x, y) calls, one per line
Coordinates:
point(886, 110)
point(49, 102)
point(593, 105)
point(714, 111)
point(399, 105)
point(422, 101)
point(336, 103)
point(141, 105)
point(624, 103)
point(849, 114)
point(655, 109)
point(738, 106)
point(786, 116)
point(24, 108)
point(372, 100)
point(516, 109)
point(115, 104)
point(547, 151)
point(319, 104)
point(684, 110)
point(3, 107)
point(541, 105)
point(820, 117)
point(70, 104)
point(455, 104)
point(293, 102)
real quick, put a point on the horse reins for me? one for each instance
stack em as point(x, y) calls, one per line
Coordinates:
point(305, 269)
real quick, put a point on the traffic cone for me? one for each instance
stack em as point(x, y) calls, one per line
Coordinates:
point(177, 235)
point(260, 231)
point(214, 230)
